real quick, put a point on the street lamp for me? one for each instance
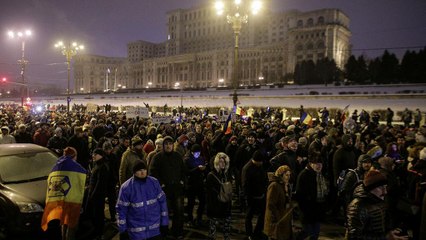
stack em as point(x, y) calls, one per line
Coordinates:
point(22, 35)
point(237, 13)
point(69, 50)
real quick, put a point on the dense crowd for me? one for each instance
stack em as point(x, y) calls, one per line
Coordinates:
point(371, 175)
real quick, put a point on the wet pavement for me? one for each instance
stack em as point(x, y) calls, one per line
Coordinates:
point(329, 229)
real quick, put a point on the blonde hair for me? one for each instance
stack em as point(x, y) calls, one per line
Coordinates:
point(220, 155)
point(281, 170)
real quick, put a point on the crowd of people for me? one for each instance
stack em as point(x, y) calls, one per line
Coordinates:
point(370, 175)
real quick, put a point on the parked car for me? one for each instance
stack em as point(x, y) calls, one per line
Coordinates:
point(24, 169)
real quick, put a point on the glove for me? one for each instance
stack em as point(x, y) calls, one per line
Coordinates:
point(124, 236)
point(164, 230)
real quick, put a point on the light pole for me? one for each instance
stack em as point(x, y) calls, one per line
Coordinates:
point(179, 86)
point(22, 35)
point(69, 50)
point(237, 13)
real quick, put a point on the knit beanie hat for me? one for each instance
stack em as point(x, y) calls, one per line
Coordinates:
point(196, 148)
point(139, 165)
point(363, 158)
point(374, 179)
point(136, 140)
point(182, 138)
point(233, 138)
point(98, 151)
point(167, 139)
point(149, 146)
point(70, 151)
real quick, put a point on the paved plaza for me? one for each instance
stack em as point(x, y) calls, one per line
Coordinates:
point(329, 229)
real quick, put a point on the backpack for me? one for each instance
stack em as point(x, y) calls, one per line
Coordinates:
point(342, 177)
point(225, 192)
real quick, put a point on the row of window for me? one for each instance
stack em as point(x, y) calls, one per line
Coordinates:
point(310, 46)
point(310, 35)
point(310, 22)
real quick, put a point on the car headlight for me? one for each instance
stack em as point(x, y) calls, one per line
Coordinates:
point(28, 207)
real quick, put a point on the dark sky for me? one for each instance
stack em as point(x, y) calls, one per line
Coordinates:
point(106, 26)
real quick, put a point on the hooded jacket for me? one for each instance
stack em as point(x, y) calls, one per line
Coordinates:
point(6, 138)
point(352, 179)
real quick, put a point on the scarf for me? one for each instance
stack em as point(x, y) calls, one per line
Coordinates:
point(321, 188)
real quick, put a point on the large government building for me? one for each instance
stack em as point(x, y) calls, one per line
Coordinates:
point(199, 51)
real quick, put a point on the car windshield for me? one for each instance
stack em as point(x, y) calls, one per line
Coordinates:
point(26, 166)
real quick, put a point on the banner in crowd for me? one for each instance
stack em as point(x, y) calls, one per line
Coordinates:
point(142, 112)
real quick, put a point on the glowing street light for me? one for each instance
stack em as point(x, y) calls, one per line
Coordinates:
point(69, 50)
point(237, 13)
point(22, 35)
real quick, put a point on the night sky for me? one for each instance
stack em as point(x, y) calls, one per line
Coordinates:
point(106, 26)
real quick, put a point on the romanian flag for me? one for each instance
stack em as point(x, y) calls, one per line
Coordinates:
point(240, 111)
point(306, 118)
point(227, 128)
point(345, 113)
point(65, 193)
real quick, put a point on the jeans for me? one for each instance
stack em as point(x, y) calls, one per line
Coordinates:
point(226, 227)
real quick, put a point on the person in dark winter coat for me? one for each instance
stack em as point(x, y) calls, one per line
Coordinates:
point(354, 178)
point(57, 143)
point(22, 136)
point(255, 183)
point(243, 155)
point(142, 206)
point(344, 157)
point(218, 211)
point(366, 218)
point(196, 166)
point(79, 142)
point(288, 157)
point(311, 193)
point(98, 191)
point(168, 167)
point(113, 164)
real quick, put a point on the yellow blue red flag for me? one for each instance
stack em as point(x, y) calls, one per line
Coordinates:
point(306, 118)
point(65, 193)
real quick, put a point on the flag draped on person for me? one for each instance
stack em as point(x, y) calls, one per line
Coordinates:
point(65, 193)
point(306, 118)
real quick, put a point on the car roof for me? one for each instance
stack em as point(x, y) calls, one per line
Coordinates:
point(17, 148)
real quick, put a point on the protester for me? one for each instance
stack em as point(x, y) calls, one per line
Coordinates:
point(130, 157)
point(168, 167)
point(278, 215)
point(367, 212)
point(98, 191)
point(255, 182)
point(66, 183)
point(196, 168)
point(5, 137)
point(218, 211)
point(311, 193)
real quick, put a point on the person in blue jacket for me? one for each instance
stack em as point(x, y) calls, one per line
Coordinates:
point(142, 206)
